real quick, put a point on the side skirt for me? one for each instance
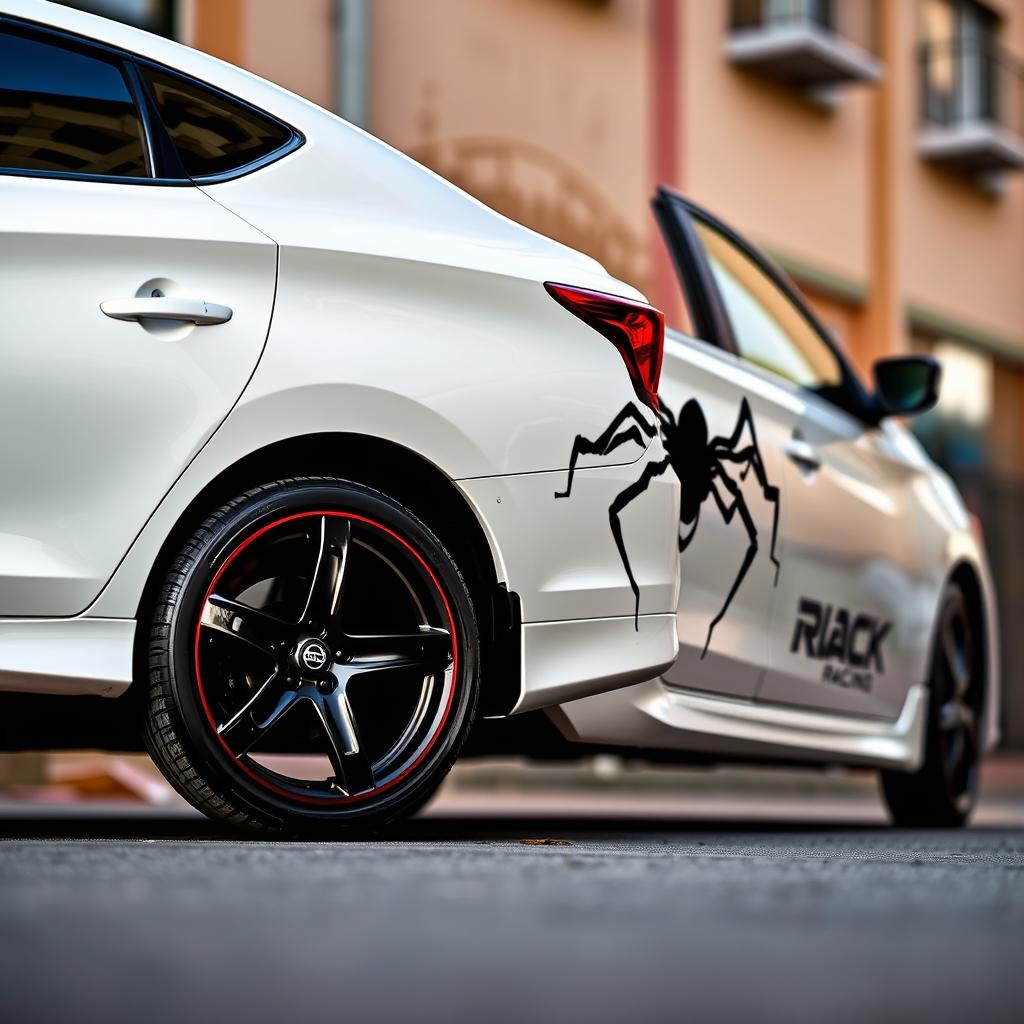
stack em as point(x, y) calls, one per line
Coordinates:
point(653, 716)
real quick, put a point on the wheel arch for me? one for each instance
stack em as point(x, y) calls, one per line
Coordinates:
point(965, 576)
point(971, 580)
point(410, 479)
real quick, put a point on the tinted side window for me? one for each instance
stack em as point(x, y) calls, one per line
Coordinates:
point(63, 111)
point(211, 133)
point(770, 331)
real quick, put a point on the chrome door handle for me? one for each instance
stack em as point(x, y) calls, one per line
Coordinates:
point(167, 307)
point(803, 454)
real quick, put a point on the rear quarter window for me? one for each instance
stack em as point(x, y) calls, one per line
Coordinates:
point(212, 134)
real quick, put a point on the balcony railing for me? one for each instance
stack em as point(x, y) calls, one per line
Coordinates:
point(972, 105)
point(806, 43)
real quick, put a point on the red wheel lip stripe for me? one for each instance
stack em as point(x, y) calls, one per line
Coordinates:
point(339, 800)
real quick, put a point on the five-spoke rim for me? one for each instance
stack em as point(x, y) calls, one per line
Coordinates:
point(957, 695)
point(282, 646)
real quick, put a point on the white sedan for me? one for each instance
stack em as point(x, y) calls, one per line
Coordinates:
point(282, 419)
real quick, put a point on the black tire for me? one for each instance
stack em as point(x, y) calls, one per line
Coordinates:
point(269, 586)
point(943, 791)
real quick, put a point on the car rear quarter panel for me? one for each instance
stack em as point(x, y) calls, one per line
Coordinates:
point(483, 376)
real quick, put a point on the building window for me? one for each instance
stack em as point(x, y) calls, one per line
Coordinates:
point(972, 92)
point(755, 13)
point(962, 67)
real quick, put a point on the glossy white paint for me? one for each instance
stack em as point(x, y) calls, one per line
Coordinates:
point(399, 308)
point(567, 659)
point(855, 538)
point(572, 562)
point(98, 417)
point(654, 715)
point(70, 656)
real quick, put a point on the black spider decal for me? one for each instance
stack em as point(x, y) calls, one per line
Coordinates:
point(701, 465)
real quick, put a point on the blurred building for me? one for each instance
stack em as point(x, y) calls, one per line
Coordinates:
point(875, 148)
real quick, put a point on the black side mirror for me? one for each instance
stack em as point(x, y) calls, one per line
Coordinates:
point(906, 385)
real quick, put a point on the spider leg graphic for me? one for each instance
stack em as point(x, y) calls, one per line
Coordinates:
point(611, 439)
point(666, 417)
point(725, 449)
point(744, 419)
point(728, 444)
point(651, 470)
point(752, 457)
point(728, 512)
point(684, 542)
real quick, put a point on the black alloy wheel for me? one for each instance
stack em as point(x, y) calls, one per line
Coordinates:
point(942, 793)
point(315, 657)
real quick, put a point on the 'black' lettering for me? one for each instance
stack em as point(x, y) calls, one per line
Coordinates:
point(807, 625)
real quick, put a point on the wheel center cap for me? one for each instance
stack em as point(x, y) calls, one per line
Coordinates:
point(313, 656)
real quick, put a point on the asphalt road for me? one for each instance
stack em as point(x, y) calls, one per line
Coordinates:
point(454, 918)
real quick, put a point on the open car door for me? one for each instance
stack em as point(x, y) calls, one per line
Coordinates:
point(835, 619)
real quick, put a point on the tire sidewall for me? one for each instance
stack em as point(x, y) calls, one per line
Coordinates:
point(922, 799)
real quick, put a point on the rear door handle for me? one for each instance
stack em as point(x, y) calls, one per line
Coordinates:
point(167, 307)
point(803, 454)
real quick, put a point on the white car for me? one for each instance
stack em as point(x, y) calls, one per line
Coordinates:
point(282, 416)
point(324, 454)
point(835, 603)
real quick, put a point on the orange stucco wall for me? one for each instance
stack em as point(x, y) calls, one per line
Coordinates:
point(538, 104)
point(781, 170)
point(962, 249)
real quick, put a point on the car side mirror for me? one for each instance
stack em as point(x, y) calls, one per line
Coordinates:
point(906, 385)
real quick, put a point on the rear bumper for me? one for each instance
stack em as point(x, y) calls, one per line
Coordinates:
point(69, 656)
point(568, 660)
point(581, 633)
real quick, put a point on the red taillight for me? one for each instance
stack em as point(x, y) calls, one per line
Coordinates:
point(636, 330)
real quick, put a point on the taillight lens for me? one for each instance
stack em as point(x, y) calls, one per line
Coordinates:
point(636, 330)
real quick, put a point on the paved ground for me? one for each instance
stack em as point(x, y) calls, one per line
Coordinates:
point(127, 916)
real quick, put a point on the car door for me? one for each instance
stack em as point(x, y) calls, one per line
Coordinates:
point(134, 312)
point(849, 614)
point(843, 619)
point(725, 427)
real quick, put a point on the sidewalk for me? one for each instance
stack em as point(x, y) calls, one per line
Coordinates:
point(599, 788)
